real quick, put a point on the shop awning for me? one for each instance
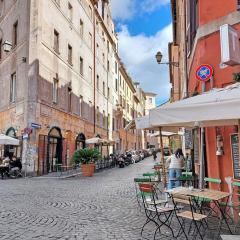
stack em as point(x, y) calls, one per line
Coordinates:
point(164, 134)
point(218, 107)
point(6, 140)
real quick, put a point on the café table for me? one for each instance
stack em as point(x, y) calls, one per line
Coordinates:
point(214, 196)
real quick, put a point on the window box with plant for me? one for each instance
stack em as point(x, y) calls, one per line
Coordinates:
point(86, 158)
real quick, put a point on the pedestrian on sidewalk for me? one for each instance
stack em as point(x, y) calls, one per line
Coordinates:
point(175, 163)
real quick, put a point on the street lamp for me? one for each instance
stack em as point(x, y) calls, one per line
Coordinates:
point(159, 60)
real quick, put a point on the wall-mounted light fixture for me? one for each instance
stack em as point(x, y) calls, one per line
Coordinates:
point(159, 60)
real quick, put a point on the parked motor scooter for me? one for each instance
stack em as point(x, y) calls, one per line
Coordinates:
point(128, 159)
point(121, 161)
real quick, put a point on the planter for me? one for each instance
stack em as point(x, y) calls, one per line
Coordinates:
point(88, 169)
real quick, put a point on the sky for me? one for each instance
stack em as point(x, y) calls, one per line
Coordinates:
point(144, 27)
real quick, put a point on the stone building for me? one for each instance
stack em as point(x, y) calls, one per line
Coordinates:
point(59, 84)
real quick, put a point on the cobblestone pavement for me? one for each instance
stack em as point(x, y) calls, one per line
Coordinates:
point(103, 207)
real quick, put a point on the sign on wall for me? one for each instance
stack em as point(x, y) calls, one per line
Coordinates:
point(235, 155)
point(204, 72)
point(230, 46)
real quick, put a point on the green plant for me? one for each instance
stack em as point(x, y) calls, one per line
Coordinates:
point(236, 77)
point(85, 156)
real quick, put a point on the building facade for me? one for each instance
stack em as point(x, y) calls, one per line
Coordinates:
point(60, 82)
point(201, 20)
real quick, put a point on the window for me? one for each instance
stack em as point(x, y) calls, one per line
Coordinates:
point(108, 46)
point(103, 88)
point(97, 50)
point(81, 66)
point(103, 58)
point(108, 93)
point(116, 84)
point(56, 41)
point(70, 11)
point(69, 54)
point(98, 115)
point(81, 105)
point(116, 67)
point(69, 99)
point(90, 12)
point(81, 28)
point(13, 88)
point(150, 100)
point(97, 82)
point(113, 124)
point(108, 120)
point(55, 90)
point(0, 49)
point(90, 74)
point(108, 65)
point(90, 40)
point(192, 23)
point(15, 34)
point(104, 119)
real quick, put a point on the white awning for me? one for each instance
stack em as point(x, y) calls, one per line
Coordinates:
point(164, 134)
point(217, 107)
point(6, 140)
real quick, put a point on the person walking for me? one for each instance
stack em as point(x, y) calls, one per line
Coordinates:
point(175, 163)
point(154, 155)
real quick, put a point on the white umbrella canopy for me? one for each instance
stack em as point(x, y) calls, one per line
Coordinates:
point(95, 140)
point(6, 140)
point(218, 107)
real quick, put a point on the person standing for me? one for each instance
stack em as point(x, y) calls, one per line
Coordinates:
point(175, 162)
point(154, 155)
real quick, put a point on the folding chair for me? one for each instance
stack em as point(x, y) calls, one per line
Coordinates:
point(191, 214)
point(159, 215)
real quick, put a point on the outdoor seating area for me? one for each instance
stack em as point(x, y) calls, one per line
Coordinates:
point(187, 212)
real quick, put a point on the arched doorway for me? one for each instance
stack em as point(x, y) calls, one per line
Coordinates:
point(54, 153)
point(9, 150)
point(80, 141)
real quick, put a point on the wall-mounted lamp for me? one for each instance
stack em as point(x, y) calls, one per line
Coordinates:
point(7, 46)
point(159, 60)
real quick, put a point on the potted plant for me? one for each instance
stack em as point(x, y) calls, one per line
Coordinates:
point(87, 158)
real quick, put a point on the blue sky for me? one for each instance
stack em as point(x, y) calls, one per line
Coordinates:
point(144, 27)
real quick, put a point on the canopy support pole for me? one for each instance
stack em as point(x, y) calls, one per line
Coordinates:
point(162, 158)
point(202, 161)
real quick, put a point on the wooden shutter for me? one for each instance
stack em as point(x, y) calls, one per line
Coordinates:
point(42, 154)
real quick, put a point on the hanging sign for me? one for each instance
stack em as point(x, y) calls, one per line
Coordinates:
point(204, 72)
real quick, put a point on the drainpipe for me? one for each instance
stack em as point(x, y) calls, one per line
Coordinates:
point(94, 71)
point(185, 55)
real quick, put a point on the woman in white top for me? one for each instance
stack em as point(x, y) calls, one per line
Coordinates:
point(175, 162)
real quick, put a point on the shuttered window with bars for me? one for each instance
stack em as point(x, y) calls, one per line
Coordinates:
point(192, 21)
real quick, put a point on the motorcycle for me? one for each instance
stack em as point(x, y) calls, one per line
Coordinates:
point(13, 170)
point(128, 159)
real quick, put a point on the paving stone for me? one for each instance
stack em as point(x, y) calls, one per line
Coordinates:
point(103, 207)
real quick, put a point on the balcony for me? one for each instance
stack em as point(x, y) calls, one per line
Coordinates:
point(119, 110)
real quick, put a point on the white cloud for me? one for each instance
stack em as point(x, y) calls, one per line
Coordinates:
point(152, 5)
point(123, 9)
point(138, 54)
point(126, 9)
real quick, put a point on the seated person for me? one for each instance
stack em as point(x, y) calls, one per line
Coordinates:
point(16, 163)
point(5, 162)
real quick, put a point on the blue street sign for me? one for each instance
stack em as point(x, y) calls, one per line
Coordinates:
point(35, 125)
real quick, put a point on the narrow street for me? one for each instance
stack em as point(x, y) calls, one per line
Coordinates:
point(103, 207)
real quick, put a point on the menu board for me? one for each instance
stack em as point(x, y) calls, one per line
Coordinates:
point(235, 155)
point(196, 146)
point(188, 139)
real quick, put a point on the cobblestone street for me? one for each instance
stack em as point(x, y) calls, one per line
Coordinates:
point(100, 208)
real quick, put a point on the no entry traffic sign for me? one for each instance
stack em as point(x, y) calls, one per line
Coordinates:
point(204, 72)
